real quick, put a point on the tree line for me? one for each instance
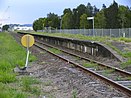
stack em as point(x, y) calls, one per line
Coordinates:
point(115, 16)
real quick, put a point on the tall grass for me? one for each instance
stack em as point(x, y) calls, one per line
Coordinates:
point(11, 54)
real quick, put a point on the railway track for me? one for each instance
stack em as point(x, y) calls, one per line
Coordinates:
point(95, 68)
point(113, 76)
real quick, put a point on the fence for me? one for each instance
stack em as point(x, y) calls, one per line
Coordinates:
point(125, 32)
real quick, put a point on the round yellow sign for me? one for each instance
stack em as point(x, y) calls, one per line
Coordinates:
point(27, 40)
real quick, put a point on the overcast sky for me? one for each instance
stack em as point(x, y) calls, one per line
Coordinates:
point(26, 11)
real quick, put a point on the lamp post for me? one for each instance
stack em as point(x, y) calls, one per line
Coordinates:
point(60, 23)
point(91, 18)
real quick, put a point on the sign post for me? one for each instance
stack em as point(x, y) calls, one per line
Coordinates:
point(27, 41)
point(91, 18)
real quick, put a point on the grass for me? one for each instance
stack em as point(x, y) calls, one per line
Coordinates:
point(47, 83)
point(118, 78)
point(89, 65)
point(127, 54)
point(128, 78)
point(27, 83)
point(124, 39)
point(8, 92)
point(11, 54)
point(56, 51)
point(83, 37)
point(74, 94)
point(108, 71)
point(126, 64)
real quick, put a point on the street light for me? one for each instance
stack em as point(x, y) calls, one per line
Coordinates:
point(91, 18)
point(60, 23)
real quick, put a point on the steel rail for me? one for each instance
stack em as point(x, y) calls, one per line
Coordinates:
point(88, 59)
point(108, 81)
point(105, 79)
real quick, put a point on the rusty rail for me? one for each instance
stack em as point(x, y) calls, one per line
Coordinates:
point(105, 79)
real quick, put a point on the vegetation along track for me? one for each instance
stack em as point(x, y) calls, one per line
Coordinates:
point(116, 77)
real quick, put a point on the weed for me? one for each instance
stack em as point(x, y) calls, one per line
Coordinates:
point(74, 94)
point(127, 78)
point(124, 39)
point(118, 78)
point(129, 87)
point(42, 52)
point(35, 90)
point(108, 71)
point(105, 74)
point(56, 51)
point(125, 64)
point(32, 58)
point(89, 65)
point(27, 82)
point(47, 83)
point(20, 95)
point(127, 54)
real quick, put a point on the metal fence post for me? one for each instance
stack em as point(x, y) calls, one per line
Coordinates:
point(110, 32)
point(119, 32)
point(102, 31)
point(129, 32)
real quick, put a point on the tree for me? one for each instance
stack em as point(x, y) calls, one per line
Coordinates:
point(5, 27)
point(111, 15)
point(103, 6)
point(89, 9)
point(81, 9)
point(67, 21)
point(38, 24)
point(83, 21)
point(53, 20)
point(95, 10)
point(100, 20)
point(68, 10)
point(122, 15)
point(128, 15)
point(75, 23)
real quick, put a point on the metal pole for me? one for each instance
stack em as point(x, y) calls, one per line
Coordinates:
point(93, 26)
point(60, 23)
point(129, 33)
point(27, 57)
point(102, 31)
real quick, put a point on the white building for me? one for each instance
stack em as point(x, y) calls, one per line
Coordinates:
point(23, 28)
